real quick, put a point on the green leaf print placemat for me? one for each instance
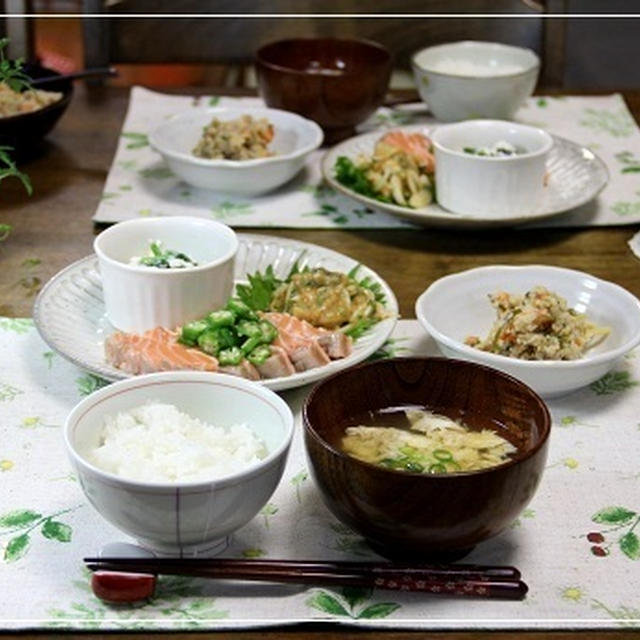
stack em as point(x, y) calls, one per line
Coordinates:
point(577, 543)
point(140, 183)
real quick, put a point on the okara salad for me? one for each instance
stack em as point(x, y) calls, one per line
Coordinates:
point(400, 171)
point(13, 103)
point(17, 96)
point(269, 329)
point(244, 138)
point(538, 325)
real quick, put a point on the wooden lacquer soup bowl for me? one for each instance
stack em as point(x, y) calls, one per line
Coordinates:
point(426, 515)
point(336, 82)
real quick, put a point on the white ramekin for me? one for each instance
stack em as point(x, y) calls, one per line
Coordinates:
point(469, 184)
point(138, 298)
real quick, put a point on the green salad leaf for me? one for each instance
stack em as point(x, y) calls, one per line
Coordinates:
point(354, 177)
point(258, 293)
point(368, 283)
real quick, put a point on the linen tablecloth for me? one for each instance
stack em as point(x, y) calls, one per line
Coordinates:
point(577, 543)
point(140, 183)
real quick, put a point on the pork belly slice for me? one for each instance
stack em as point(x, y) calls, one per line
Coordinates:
point(309, 356)
point(243, 370)
point(336, 344)
point(277, 364)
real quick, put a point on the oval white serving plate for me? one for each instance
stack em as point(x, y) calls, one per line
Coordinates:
point(576, 175)
point(70, 315)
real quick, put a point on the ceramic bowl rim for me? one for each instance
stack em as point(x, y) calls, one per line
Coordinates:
point(213, 163)
point(225, 230)
point(545, 427)
point(490, 122)
point(533, 67)
point(129, 384)
point(259, 56)
point(516, 363)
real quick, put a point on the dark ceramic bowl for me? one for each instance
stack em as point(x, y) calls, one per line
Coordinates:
point(24, 131)
point(336, 83)
point(412, 515)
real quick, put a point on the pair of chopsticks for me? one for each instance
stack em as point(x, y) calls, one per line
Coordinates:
point(452, 580)
point(76, 75)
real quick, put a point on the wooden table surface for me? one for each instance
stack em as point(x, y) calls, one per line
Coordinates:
point(53, 227)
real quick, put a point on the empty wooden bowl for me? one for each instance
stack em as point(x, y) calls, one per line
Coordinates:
point(414, 515)
point(337, 83)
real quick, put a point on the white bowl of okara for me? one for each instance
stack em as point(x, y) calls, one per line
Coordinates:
point(457, 306)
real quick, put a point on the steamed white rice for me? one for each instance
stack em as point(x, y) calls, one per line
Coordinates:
point(156, 442)
point(478, 69)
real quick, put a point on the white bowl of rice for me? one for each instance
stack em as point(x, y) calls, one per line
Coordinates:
point(470, 79)
point(571, 330)
point(179, 460)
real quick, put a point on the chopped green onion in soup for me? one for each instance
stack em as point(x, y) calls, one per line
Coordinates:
point(433, 443)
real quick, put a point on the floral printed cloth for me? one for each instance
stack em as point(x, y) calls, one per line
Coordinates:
point(577, 544)
point(140, 183)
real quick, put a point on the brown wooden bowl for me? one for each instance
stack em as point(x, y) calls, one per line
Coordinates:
point(416, 515)
point(337, 83)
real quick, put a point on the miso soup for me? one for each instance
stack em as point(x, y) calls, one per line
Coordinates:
point(417, 440)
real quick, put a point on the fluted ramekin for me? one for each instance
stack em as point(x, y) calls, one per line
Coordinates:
point(138, 298)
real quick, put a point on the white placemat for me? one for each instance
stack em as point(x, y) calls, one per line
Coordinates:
point(576, 544)
point(140, 184)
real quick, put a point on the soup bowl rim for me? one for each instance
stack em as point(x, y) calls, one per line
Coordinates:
point(522, 456)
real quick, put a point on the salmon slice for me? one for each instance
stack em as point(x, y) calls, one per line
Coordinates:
point(416, 145)
point(293, 333)
point(288, 322)
point(154, 350)
point(277, 365)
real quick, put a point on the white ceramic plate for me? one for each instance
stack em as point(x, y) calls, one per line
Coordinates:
point(70, 316)
point(576, 176)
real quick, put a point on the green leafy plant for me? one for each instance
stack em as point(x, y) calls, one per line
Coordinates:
point(9, 169)
point(11, 71)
